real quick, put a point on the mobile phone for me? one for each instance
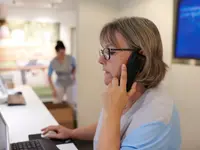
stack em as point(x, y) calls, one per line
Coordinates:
point(135, 65)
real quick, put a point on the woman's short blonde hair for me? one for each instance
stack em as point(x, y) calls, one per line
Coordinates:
point(140, 33)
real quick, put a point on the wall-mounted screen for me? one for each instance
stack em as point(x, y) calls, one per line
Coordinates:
point(187, 43)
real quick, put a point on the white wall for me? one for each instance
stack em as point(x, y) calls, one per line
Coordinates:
point(185, 88)
point(3, 11)
point(65, 36)
point(160, 12)
point(92, 15)
point(181, 78)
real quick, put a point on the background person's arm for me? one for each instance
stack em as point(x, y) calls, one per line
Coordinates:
point(73, 65)
point(84, 133)
point(73, 72)
point(51, 83)
point(50, 72)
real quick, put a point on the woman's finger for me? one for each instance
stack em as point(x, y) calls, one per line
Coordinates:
point(123, 78)
point(44, 129)
point(115, 82)
point(110, 85)
point(132, 90)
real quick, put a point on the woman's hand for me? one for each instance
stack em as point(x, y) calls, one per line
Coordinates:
point(116, 98)
point(62, 132)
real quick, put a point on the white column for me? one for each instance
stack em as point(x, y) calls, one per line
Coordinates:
point(92, 15)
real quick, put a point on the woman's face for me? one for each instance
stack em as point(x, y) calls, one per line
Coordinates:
point(61, 52)
point(112, 67)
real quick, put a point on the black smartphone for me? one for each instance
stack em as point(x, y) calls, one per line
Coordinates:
point(135, 65)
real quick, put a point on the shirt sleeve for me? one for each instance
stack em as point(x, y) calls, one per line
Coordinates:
point(152, 136)
point(50, 70)
point(73, 62)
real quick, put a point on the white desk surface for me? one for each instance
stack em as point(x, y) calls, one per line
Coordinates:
point(29, 119)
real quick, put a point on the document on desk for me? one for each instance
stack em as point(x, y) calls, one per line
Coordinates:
point(12, 91)
point(69, 146)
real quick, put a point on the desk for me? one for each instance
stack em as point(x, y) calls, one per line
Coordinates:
point(28, 119)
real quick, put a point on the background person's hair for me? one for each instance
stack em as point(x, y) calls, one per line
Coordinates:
point(139, 33)
point(2, 22)
point(59, 46)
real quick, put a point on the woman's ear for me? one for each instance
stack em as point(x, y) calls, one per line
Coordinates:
point(141, 52)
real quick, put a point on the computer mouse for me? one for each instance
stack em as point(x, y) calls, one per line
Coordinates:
point(18, 93)
point(46, 136)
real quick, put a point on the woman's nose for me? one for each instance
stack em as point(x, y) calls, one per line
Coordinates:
point(101, 60)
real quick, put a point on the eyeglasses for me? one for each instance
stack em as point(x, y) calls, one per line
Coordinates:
point(107, 52)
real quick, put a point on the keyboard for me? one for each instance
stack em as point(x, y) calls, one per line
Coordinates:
point(28, 145)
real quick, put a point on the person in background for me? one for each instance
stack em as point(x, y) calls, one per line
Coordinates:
point(145, 118)
point(65, 67)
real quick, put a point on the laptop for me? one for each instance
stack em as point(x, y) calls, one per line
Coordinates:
point(40, 144)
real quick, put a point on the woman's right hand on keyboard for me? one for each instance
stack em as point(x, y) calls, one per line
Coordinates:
point(62, 132)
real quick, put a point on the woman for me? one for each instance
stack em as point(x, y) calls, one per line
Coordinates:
point(145, 118)
point(65, 67)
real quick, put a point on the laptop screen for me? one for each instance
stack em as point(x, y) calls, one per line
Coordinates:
point(3, 134)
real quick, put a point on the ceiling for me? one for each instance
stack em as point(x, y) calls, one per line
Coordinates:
point(48, 4)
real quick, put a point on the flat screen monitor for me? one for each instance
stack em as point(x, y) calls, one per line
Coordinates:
point(187, 42)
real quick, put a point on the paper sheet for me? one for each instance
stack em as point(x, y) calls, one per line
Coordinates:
point(69, 146)
point(12, 91)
